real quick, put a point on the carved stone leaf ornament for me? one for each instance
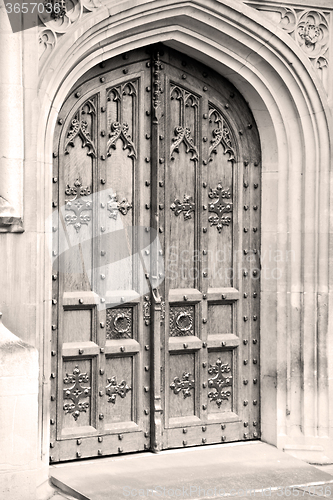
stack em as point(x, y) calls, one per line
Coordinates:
point(56, 17)
point(310, 30)
point(76, 392)
point(47, 40)
point(220, 207)
point(312, 33)
point(78, 205)
point(222, 379)
point(59, 15)
point(185, 384)
point(113, 389)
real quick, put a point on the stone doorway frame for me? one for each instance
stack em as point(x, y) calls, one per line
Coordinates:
point(295, 126)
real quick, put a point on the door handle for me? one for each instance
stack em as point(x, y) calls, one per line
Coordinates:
point(156, 296)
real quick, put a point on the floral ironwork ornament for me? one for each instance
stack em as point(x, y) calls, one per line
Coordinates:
point(221, 207)
point(76, 393)
point(218, 383)
point(78, 205)
point(113, 389)
point(185, 384)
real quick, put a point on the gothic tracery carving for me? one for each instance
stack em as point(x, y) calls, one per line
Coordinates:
point(183, 134)
point(221, 135)
point(82, 126)
point(121, 131)
point(56, 22)
point(182, 131)
point(309, 29)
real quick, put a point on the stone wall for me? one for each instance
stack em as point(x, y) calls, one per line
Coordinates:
point(18, 417)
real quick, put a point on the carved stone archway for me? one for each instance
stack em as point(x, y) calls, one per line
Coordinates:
point(291, 110)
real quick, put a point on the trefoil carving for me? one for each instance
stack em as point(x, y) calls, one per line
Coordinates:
point(221, 380)
point(185, 384)
point(56, 8)
point(77, 205)
point(76, 393)
point(221, 207)
point(121, 131)
point(310, 30)
point(80, 127)
point(114, 206)
point(187, 207)
point(113, 389)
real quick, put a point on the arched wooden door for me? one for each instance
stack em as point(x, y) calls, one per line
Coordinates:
point(156, 246)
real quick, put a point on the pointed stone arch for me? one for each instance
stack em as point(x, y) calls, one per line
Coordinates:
point(292, 114)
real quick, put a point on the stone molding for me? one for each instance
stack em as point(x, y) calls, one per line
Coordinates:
point(291, 110)
point(309, 27)
point(9, 222)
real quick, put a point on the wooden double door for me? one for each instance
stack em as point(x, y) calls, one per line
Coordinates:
point(156, 250)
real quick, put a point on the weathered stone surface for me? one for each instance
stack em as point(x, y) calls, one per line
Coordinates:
point(18, 417)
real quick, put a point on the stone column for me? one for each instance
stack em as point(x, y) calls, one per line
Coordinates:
point(11, 127)
point(18, 417)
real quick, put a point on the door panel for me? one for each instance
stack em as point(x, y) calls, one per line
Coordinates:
point(155, 340)
point(209, 391)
